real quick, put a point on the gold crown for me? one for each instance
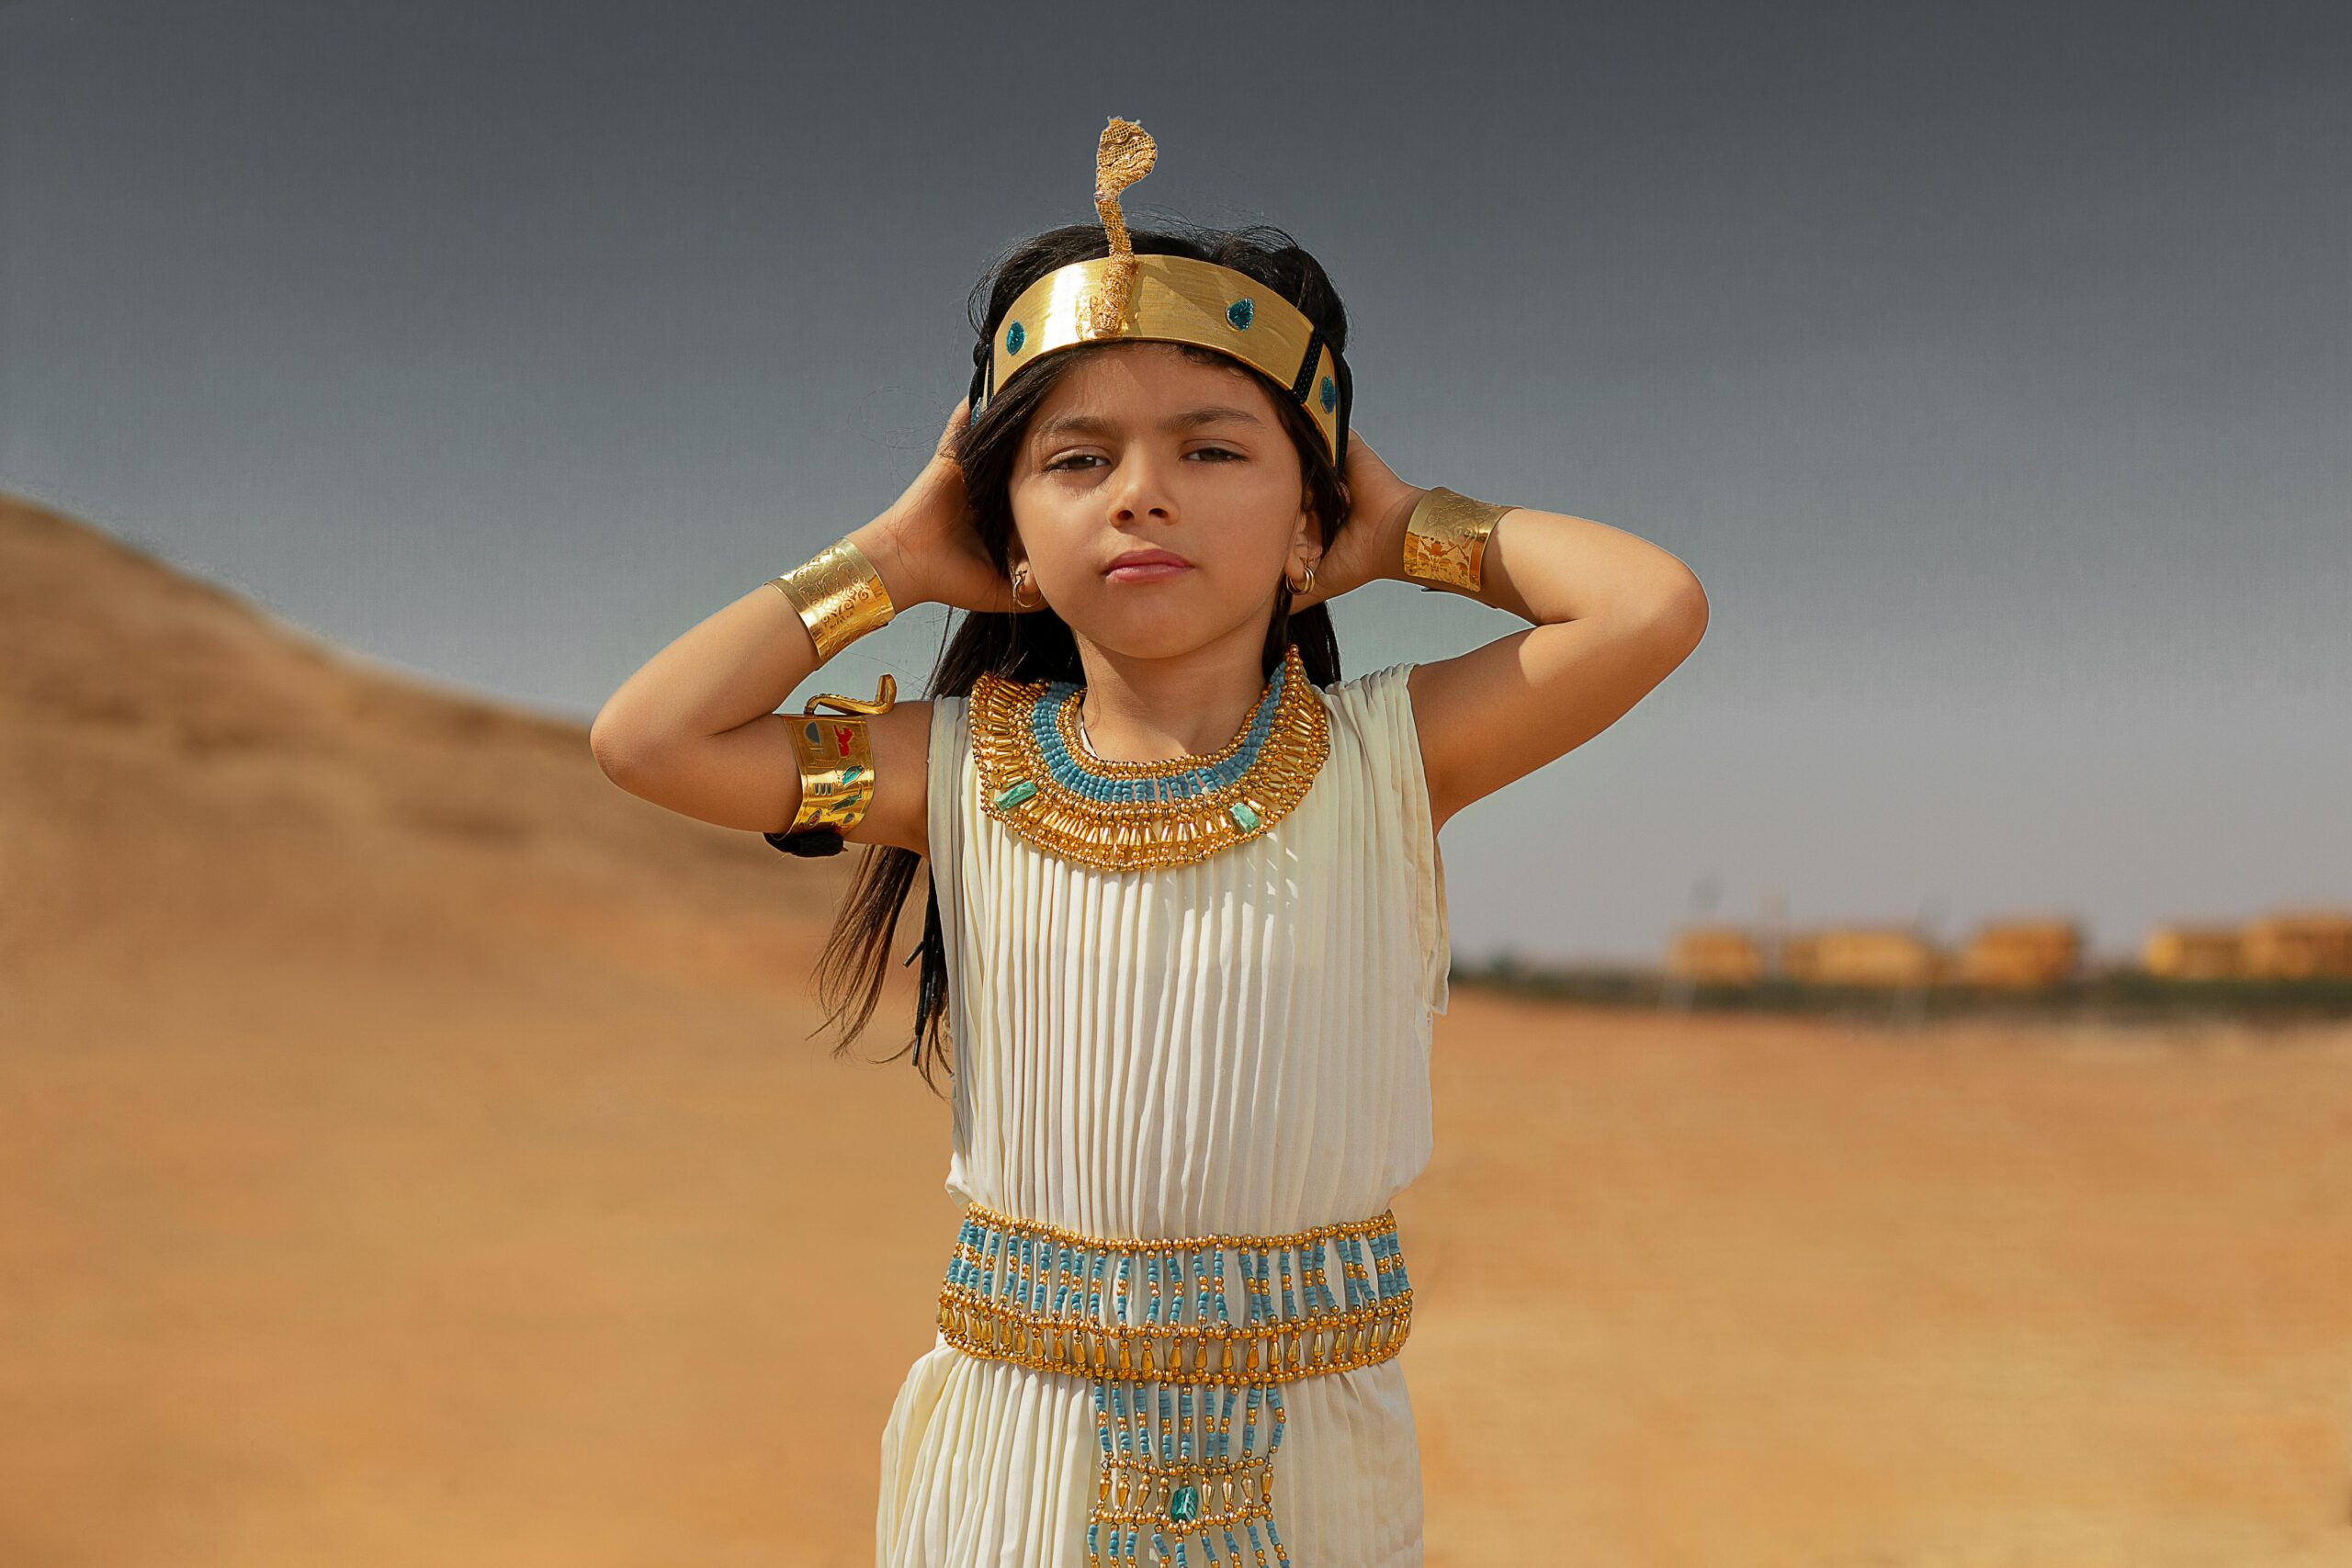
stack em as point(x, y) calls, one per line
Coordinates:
point(1166, 299)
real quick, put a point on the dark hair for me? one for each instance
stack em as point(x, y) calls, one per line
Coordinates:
point(1036, 645)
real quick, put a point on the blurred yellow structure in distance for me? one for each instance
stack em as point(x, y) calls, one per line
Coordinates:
point(2298, 944)
point(2022, 954)
point(1718, 956)
point(2014, 954)
point(2289, 944)
point(2194, 953)
point(1862, 955)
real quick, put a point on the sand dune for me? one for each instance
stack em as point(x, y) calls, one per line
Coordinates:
point(414, 1153)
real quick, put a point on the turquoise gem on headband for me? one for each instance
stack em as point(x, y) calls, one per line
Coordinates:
point(1238, 312)
point(1013, 338)
point(1331, 395)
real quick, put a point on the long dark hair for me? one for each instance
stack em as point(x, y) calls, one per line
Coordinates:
point(1036, 645)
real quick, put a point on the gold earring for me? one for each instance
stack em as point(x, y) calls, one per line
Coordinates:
point(1020, 581)
point(1300, 588)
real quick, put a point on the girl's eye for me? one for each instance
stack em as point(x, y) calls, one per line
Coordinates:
point(1090, 458)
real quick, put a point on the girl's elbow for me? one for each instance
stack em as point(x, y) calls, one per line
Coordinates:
point(1680, 613)
point(617, 752)
point(1697, 610)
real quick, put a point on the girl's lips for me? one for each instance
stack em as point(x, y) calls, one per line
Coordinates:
point(1145, 572)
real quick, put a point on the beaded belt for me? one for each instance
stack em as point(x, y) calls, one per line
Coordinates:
point(1031, 1294)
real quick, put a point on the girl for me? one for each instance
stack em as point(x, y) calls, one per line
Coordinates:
point(1186, 925)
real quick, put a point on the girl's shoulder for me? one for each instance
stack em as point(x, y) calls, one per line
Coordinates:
point(1373, 724)
point(1375, 707)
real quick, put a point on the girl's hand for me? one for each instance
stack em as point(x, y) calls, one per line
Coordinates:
point(924, 545)
point(1371, 543)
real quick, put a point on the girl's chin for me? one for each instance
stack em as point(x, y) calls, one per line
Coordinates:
point(1169, 634)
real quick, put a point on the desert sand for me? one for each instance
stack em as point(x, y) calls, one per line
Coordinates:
point(416, 1151)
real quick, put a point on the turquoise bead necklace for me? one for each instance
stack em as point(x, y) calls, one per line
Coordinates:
point(1041, 779)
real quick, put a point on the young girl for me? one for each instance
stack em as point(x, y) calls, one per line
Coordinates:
point(1187, 921)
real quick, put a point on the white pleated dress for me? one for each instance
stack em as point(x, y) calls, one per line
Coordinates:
point(1238, 1046)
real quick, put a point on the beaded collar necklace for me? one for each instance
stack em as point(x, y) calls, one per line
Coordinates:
point(1040, 779)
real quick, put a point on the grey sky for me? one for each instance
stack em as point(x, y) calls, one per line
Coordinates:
point(1991, 364)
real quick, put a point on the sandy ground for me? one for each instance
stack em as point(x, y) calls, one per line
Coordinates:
point(411, 1151)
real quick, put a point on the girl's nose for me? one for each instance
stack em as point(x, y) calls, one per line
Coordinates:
point(1139, 487)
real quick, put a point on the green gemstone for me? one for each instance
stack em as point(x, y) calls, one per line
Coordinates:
point(1014, 793)
point(1243, 815)
point(1185, 1504)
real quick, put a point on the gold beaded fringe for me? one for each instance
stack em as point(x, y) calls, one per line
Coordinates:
point(1132, 1494)
point(999, 1327)
point(1167, 1476)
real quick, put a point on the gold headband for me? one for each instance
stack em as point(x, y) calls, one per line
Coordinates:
point(1167, 298)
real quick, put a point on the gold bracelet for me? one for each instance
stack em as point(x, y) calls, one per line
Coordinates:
point(839, 596)
point(1445, 539)
point(836, 759)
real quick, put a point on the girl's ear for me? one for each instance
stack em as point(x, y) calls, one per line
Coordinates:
point(1305, 549)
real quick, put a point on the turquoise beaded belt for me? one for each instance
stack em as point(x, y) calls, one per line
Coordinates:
point(1173, 1334)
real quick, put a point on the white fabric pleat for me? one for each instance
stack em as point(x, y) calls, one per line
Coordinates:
point(1240, 1045)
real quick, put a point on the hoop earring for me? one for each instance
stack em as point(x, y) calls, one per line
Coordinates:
point(1020, 581)
point(1305, 587)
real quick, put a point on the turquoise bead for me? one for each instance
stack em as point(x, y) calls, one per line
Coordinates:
point(1243, 815)
point(1074, 775)
point(1014, 793)
point(1185, 1504)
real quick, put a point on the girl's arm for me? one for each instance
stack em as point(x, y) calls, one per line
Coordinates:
point(1615, 615)
point(695, 730)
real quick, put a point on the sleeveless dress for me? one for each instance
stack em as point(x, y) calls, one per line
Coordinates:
point(1237, 1045)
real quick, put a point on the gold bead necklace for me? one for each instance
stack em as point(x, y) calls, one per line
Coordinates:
point(1039, 778)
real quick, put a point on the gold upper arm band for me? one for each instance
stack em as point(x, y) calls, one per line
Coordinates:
point(836, 757)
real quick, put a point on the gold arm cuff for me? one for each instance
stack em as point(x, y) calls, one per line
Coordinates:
point(836, 757)
point(839, 596)
point(1445, 539)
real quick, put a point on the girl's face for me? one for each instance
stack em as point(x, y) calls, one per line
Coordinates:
point(1137, 447)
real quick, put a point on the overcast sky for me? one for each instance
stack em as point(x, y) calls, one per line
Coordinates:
point(1990, 364)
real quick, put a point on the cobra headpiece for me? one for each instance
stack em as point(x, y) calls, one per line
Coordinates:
point(1166, 299)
